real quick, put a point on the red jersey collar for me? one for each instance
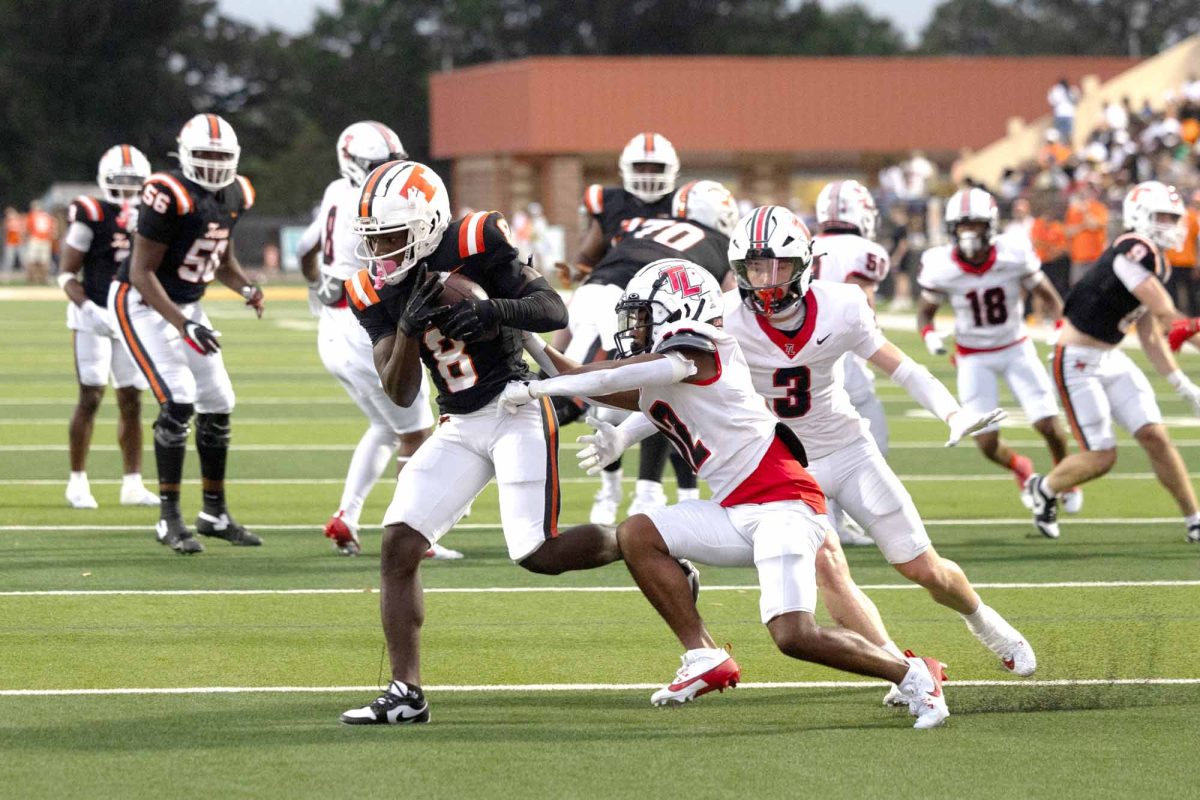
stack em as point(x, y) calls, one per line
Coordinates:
point(974, 269)
point(791, 345)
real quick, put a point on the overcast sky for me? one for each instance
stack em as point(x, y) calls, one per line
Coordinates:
point(294, 16)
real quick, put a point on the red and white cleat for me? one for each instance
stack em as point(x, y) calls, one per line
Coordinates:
point(343, 534)
point(1019, 658)
point(923, 685)
point(704, 670)
point(438, 553)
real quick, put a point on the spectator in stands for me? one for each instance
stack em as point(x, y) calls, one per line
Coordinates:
point(1086, 227)
point(1021, 221)
point(1184, 284)
point(901, 257)
point(1115, 116)
point(1053, 153)
point(39, 238)
point(1050, 241)
point(14, 229)
point(1062, 98)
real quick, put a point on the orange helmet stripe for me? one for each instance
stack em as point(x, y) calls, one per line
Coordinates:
point(368, 192)
point(126, 158)
point(214, 127)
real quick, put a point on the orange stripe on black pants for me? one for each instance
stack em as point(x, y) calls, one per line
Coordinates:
point(1060, 380)
point(553, 500)
point(157, 385)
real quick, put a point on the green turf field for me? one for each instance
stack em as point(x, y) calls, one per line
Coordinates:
point(540, 686)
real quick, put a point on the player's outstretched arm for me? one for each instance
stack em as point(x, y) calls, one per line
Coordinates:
point(231, 274)
point(1051, 300)
point(606, 380)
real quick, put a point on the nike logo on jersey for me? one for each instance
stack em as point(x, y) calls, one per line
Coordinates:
point(823, 338)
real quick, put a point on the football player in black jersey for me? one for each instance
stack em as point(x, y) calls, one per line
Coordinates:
point(1098, 383)
point(473, 349)
point(184, 239)
point(97, 240)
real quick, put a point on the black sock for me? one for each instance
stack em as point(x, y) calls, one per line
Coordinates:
point(168, 503)
point(214, 502)
point(169, 460)
point(653, 459)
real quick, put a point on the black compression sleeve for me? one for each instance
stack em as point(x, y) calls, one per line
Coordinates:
point(538, 309)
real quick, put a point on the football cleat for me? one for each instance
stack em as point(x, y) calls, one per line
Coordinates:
point(79, 495)
point(693, 577)
point(604, 508)
point(224, 527)
point(1019, 659)
point(649, 496)
point(399, 704)
point(1045, 511)
point(134, 494)
point(1193, 534)
point(1072, 500)
point(923, 685)
point(895, 697)
point(175, 535)
point(343, 534)
point(704, 670)
point(438, 553)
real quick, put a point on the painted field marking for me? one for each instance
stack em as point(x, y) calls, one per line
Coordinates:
point(584, 687)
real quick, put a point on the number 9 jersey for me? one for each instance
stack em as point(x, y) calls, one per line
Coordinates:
point(195, 224)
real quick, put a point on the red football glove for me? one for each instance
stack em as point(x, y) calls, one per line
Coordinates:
point(1181, 331)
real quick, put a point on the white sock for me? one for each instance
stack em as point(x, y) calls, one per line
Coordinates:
point(1046, 491)
point(688, 494)
point(371, 457)
point(989, 627)
point(611, 482)
point(891, 647)
point(1192, 520)
point(79, 477)
point(132, 479)
point(649, 490)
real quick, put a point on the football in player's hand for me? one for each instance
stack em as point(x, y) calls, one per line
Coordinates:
point(456, 288)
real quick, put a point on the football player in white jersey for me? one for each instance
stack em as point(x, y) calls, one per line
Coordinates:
point(983, 276)
point(1098, 383)
point(327, 257)
point(845, 252)
point(793, 332)
point(689, 377)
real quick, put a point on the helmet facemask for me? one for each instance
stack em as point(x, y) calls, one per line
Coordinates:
point(396, 255)
point(771, 285)
point(1168, 230)
point(122, 186)
point(213, 168)
point(971, 237)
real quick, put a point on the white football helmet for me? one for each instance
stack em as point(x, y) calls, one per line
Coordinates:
point(122, 171)
point(364, 146)
point(708, 203)
point(1156, 211)
point(779, 247)
point(400, 196)
point(651, 149)
point(847, 205)
point(972, 205)
point(208, 151)
point(664, 291)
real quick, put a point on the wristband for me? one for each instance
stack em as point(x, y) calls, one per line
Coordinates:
point(1177, 379)
point(66, 277)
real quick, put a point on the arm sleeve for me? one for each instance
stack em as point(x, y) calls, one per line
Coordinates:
point(1131, 273)
point(925, 389)
point(375, 321)
point(539, 308)
point(670, 368)
point(79, 237)
point(635, 428)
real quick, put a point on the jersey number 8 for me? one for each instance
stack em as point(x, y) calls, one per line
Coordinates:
point(453, 364)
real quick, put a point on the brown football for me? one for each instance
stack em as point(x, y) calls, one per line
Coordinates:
point(456, 287)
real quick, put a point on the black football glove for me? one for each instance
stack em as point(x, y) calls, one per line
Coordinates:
point(201, 339)
point(471, 320)
point(420, 308)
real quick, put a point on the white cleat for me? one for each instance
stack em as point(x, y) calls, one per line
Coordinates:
point(604, 508)
point(79, 495)
point(895, 697)
point(923, 686)
point(438, 553)
point(644, 505)
point(135, 494)
point(704, 670)
point(1072, 500)
point(1019, 659)
point(1193, 534)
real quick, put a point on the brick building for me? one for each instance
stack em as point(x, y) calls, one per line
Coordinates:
point(543, 128)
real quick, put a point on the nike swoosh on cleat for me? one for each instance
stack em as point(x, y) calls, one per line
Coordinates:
point(1008, 663)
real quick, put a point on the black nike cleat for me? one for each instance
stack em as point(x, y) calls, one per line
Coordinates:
point(1045, 511)
point(224, 527)
point(400, 704)
point(174, 534)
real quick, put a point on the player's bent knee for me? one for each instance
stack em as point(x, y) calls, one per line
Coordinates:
point(401, 550)
point(638, 533)
point(1152, 436)
point(173, 424)
point(794, 633)
point(89, 399)
point(213, 430)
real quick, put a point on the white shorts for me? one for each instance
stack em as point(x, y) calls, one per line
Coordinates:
point(465, 452)
point(176, 373)
point(592, 316)
point(345, 350)
point(979, 382)
point(1098, 386)
point(857, 477)
point(781, 539)
point(99, 358)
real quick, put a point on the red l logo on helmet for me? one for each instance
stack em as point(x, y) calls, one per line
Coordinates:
point(681, 282)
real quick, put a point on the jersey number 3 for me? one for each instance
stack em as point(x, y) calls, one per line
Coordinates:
point(797, 401)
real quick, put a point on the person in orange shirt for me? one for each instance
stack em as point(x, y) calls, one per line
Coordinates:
point(1086, 227)
point(1184, 284)
point(14, 228)
point(1050, 242)
point(39, 235)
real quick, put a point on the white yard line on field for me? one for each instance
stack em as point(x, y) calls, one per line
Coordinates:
point(584, 687)
point(563, 589)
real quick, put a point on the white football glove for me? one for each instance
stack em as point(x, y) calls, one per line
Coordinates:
point(95, 318)
point(964, 423)
point(515, 395)
point(934, 343)
point(604, 446)
point(1185, 389)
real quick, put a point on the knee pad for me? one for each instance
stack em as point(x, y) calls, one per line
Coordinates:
point(213, 430)
point(171, 428)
